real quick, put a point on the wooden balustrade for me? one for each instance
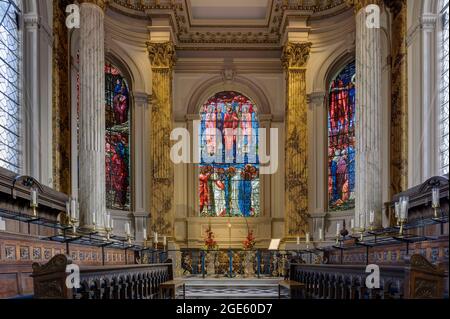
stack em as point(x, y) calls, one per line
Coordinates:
point(416, 279)
point(99, 282)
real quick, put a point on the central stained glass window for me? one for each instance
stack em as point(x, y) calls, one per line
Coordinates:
point(229, 165)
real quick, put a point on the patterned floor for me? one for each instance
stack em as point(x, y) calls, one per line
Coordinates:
point(232, 288)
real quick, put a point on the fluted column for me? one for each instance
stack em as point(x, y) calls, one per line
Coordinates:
point(295, 57)
point(162, 58)
point(92, 114)
point(368, 120)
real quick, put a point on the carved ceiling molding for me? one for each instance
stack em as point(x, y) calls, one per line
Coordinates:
point(188, 36)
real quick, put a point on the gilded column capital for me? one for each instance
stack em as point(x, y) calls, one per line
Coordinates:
point(100, 3)
point(359, 4)
point(162, 54)
point(296, 55)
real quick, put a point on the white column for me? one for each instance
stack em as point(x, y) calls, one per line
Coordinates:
point(368, 120)
point(92, 116)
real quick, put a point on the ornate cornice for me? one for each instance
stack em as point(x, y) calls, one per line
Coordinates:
point(192, 36)
point(162, 55)
point(296, 55)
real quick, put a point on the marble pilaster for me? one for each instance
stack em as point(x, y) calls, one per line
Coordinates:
point(162, 59)
point(92, 115)
point(295, 58)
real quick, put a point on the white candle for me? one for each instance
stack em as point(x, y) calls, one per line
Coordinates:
point(69, 213)
point(362, 220)
point(145, 233)
point(298, 240)
point(34, 197)
point(164, 240)
point(435, 197)
point(127, 229)
point(307, 238)
point(397, 209)
point(155, 235)
point(352, 223)
point(320, 234)
point(112, 224)
point(371, 217)
point(73, 209)
point(108, 220)
point(94, 219)
point(338, 228)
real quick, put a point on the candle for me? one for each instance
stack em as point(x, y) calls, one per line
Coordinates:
point(164, 240)
point(108, 220)
point(94, 219)
point(298, 240)
point(320, 234)
point(371, 217)
point(362, 220)
point(73, 209)
point(352, 223)
point(145, 233)
point(155, 235)
point(435, 197)
point(112, 224)
point(307, 238)
point(397, 210)
point(338, 228)
point(404, 208)
point(127, 229)
point(34, 197)
point(68, 208)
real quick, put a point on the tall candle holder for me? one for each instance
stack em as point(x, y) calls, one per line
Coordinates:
point(34, 202)
point(435, 201)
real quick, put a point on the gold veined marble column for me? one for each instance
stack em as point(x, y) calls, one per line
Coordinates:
point(399, 98)
point(295, 57)
point(61, 99)
point(162, 58)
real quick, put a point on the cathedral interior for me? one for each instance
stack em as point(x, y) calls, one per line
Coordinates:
point(224, 149)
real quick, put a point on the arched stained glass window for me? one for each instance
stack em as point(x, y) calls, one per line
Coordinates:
point(444, 88)
point(229, 166)
point(341, 140)
point(117, 119)
point(10, 85)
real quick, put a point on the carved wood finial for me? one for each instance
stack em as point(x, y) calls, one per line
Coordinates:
point(162, 55)
point(57, 264)
point(296, 55)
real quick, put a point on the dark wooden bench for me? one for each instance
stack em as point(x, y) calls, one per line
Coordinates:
point(295, 288)
point(171, 289)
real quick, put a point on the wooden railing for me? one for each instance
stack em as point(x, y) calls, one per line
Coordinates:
point(417, 279)
point(100, 282)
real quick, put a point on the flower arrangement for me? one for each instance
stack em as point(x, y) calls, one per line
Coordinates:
point(210, 243)
point(249, 242)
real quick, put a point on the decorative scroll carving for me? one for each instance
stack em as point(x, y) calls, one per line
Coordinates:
point(425, 289)
point(418, 261)
point(61, 100)
point(295, 57)
point(56, 264)
point(162, 58)
point(162, 55)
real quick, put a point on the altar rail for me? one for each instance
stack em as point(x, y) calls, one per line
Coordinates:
point(417, 279)
point(102, 282)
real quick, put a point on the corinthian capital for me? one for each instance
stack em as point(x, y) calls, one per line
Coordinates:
point(296, 55)
point(162, 55)
point(359, 4)
point(100, 3)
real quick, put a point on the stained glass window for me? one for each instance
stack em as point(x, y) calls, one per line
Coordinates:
point(444, 89)
point(9, 85)
point(341, 140)
point(229, 166)
point(117, 119)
